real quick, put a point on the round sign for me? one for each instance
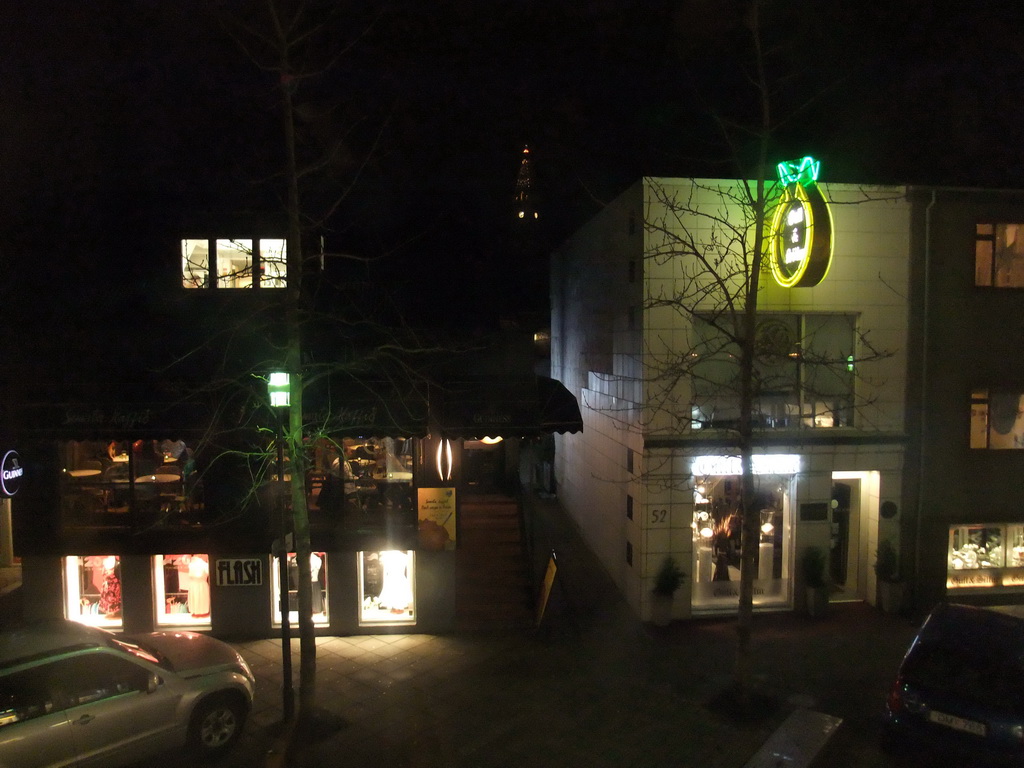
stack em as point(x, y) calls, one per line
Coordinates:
point(801, 237)
point(10, 473)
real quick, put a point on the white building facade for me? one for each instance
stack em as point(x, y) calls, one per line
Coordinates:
point(654, 472)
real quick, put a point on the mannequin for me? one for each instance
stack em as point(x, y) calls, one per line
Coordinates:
point(315, 563)
point(110, 592)
point(199, 586)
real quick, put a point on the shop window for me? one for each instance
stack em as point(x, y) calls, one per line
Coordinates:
point(999, 255)
point(181, 586)
point(985, 556)
point(717, 541)
point(92, 590)
point(997, 419)
point(318, 576)
point(235, 263)
point(145, 483)
point(387, 587)
point(804, 372)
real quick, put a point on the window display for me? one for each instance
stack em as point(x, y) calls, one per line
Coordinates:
point(318, 576)
point(717, 541)
point(181, 585)
point(985, 555)
point(387, 592)
point(92, 590)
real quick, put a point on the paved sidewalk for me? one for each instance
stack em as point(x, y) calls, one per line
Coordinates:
point(593, 688)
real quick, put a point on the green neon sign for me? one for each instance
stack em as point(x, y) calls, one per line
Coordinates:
point(801, 232)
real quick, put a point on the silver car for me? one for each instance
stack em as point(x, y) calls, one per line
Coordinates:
point(77, 695)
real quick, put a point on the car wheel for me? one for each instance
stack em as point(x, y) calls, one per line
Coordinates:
point(216, 725)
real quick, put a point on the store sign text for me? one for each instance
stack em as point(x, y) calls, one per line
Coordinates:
point(240, 572)
point(762, 464)
point(11, 473)
point(801, 233)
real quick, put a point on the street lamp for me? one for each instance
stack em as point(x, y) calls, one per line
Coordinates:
point(280, 400)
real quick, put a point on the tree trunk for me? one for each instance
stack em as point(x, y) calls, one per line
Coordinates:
point(293, 363)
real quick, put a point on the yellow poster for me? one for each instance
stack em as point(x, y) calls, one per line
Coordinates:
point(436, 518)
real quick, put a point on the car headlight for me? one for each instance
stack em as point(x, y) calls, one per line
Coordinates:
point(243, 668)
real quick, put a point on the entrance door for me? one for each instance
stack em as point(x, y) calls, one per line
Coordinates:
point(848, 551)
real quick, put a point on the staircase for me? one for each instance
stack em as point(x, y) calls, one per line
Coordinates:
point(493, 589)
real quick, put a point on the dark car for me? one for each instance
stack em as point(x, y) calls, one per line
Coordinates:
point(961, 685)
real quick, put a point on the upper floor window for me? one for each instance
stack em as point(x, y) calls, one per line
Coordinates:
point(999, 255)
point(997, 418)
point(234, 263)
point(803, 373)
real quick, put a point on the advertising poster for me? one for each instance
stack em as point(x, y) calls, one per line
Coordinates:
point(436, 518)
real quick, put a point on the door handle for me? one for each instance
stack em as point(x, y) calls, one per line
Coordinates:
point(84, 720)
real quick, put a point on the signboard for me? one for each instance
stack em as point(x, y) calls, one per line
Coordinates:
point(11, 473)
point(436, 518)
point(801, 233)
point(545, 588)
point(239, 572)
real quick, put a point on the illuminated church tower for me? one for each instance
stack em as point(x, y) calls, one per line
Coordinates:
point(525, 203)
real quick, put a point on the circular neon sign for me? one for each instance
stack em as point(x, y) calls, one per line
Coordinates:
point(801, 233)
point(11, 472)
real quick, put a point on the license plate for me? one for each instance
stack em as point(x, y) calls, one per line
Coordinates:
point(957, 723)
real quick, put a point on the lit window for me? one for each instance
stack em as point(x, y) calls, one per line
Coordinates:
point(92, 590)
point(234, 263)
point(318, 576)
point(999, 255)
point(195, 263)
point(387, 588)
point(237, 263)
point(273, 264)
point(181, 586)
point(997, 419)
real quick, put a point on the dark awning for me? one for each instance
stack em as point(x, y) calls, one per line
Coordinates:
point(121, 412)
point(490, 407)
point(345, 406)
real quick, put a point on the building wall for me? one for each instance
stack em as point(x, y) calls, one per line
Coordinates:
point(970, 337)
point(869, 278)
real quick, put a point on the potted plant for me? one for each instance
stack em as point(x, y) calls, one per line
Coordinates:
point(666, 582)
point(890, 586)
point(813, 568)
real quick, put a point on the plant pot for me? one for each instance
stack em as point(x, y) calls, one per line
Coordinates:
point(890, 596)
point(817, 601)
point(661, 609)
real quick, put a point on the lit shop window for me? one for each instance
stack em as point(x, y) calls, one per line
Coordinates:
point(237, 263)
point(999, 255)
point(318, 575)
point(181, 586)
point(997, 419)
point(985, 555)
point(92, 590)
point(718, 531)
point(387, 592)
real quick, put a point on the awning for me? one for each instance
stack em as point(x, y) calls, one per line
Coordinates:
point(121, 412)
point(490, 407)
point(345, 406)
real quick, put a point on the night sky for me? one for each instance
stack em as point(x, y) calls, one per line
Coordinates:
point(119, 113)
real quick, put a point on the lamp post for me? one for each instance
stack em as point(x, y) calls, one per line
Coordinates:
point(280, 400)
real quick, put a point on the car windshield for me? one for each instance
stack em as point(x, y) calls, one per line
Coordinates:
point(967, 674)
point(151, 655)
